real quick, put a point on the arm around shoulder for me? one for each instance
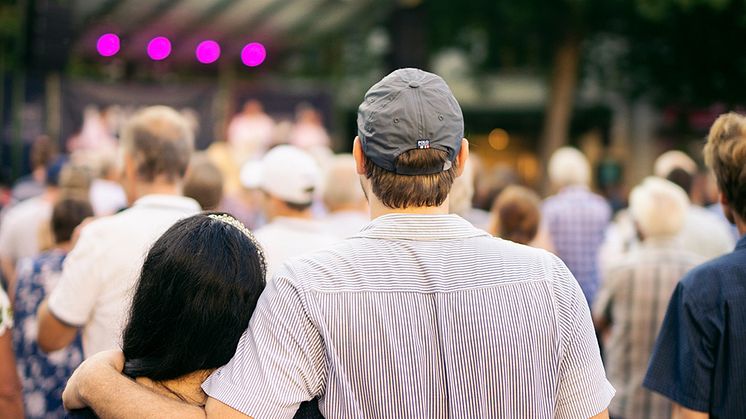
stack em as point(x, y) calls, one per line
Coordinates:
point(98, 383)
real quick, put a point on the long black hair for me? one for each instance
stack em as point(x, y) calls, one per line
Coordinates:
point(198, 287)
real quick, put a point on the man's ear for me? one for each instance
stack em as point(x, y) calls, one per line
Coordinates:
point(357, 153)
point(462, 157)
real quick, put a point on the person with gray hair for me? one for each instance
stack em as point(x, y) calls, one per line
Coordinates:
point(93, 293)
point(631, 303)
point(575, 218)
point(343, 197)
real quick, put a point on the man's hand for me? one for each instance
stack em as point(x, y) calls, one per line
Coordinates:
point(85, 376)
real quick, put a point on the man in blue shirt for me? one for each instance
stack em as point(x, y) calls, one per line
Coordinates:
point(699, 357)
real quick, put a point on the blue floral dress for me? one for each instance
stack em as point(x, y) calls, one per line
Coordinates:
point(43, 376)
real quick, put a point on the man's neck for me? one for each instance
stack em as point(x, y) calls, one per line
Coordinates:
point(377, 209)
point(158, 188)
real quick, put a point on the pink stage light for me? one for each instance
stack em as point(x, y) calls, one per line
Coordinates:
point(159, 48)
point(107, 45)
point(253, 54)
point(207, 52)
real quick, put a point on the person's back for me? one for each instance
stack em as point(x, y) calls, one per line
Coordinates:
point(99, 273)
point(43, 376)
point(488, 331)
point(576, 218)
point(632, 300)
point(699, 358)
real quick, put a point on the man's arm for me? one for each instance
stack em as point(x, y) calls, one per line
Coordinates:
point(681, 412)
point(53, 334)
point(99, 384)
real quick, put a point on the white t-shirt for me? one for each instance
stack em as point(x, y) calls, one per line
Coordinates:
point(287, 237)
point(19, 232)
point(99, 274)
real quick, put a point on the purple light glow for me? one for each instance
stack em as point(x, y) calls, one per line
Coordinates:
point(207, 52)
point(253, 54)
point(107, 44)
point(159, 48)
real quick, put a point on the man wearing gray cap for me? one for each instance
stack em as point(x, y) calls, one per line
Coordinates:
point(419, 315)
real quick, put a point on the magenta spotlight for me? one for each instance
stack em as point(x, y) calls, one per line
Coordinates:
point(253, 54)
point(207, 52)
point(159, 48)
point(107, 44)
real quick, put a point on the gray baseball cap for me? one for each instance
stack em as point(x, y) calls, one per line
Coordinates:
point(406, 110)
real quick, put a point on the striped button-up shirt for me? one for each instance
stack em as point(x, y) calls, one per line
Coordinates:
point(633, 298)
point(419, 316)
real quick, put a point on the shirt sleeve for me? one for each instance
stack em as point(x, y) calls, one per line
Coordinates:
point(280, 360)
point(683, 359)
point(73, 299)
point(583, 390)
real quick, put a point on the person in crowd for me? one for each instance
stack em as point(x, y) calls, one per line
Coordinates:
point(704, 233)
point(107, 195)
point(419, 314)
point(93, 292)
point(576, 218)
point(178, 270)
point(204, 183)
point(289, 178)
point(43, 153)
point(19, 231)
point(516, 215)
point(462, 194)
point(43, 376)
point(632, 300)
point(697, 356)
point(11, 398)
point(308, 131)
point(250, 132)
point(343, 197)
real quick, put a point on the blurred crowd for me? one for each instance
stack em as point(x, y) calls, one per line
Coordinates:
point(85, 218)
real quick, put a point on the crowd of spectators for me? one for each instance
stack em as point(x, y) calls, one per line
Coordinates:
point(162, 251)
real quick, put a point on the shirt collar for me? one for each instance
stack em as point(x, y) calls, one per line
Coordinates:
point(169, 202)
point(420, 227)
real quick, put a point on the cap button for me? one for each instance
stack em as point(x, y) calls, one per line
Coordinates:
point(414, 84)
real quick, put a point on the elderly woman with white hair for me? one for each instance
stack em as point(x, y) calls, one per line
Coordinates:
point(632, 301)
point(575, 218)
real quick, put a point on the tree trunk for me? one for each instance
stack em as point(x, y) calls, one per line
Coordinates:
point(561, 97)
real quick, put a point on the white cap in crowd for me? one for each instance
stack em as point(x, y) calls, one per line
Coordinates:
point(659, 207)
point(285, 172)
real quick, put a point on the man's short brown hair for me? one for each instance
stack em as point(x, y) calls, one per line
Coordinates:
point(404, 191)
point(160, 141)
point(725, 154)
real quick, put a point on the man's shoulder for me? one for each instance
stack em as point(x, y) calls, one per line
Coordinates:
point(706, 283)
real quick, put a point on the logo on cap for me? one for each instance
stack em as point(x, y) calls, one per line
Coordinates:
point(423, 144)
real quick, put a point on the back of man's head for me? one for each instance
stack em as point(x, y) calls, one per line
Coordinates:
point(725, 154)
point(682, 179)
point(341, 188)
point(161, 143)
point(671, 160)
point(290, 176)
point(410, 128)
point(569, 167)
point(658, 207)
point(204, 182)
